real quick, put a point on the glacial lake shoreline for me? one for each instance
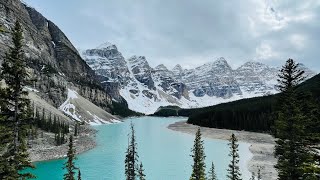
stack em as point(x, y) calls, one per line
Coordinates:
point(165, 153)
point(261, 145)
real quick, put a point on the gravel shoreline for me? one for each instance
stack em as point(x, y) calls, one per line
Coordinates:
point(43, 148)
point(261, 147)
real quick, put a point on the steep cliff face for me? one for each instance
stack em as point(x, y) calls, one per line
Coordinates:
point(141, 70)
point(107, 61)
point(212, 79)
point(54, 63)
point(164, 80)
point(110, 65)
point(64, 55)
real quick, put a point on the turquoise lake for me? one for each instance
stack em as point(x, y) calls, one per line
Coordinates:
point(164, 153)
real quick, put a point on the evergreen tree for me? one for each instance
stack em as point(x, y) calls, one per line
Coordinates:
point(253, 177)
point(131, 160)
point(69, 165)
point(259, 173)
point(76, 129)
point(127, 163)
point(63, 140)
point(43, 115)
point(141, 174)
point(212, 173)
point(234, 170)
point(198, 167)
point(290, 76)
point(311, 110)
point(15, 107)
point(79, 174)
point(292, 148)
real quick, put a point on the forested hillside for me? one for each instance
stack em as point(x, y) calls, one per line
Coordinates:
point(252, 114)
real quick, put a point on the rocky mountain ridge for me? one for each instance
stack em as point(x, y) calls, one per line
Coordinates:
point(146, 88)
point(54, 64)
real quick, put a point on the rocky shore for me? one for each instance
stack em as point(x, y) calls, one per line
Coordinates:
point(261, 147)
point(43, 148)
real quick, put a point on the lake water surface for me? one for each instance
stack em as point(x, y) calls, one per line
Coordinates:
point(164, 153)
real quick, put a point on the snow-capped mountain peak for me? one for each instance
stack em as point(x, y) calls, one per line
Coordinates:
point(253, 66)
point(177, 68)
point(221, 60)
point(308, 73)
point(140, 69)
point(215, 68)
point(221, 63)
point(161, 67)
point(106, 45)
point(139, 63)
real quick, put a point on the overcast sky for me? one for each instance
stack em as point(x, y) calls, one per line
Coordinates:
point(192, 32)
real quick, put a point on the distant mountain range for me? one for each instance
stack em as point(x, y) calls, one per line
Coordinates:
point(146, 89)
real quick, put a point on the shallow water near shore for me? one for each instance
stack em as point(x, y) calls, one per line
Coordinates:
point(165, 154)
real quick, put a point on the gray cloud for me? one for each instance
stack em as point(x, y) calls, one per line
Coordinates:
point(193, 32)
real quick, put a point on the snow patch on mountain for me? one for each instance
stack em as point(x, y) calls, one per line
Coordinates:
point(68, 108)
point(82, 110)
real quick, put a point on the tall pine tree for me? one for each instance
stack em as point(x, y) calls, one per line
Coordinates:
point(198, 167)
point(14, 107)
point(141, 174)
point(69, 165)
point(234, 170)
point(212, 174)
point(131, 160)
point(292, 149)
point(79, 174)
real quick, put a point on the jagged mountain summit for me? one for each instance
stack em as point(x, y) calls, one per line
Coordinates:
point(146, 89)
point(107, 61)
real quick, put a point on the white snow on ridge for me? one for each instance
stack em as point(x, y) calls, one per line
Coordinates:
point(140, 103)
point(149, 106)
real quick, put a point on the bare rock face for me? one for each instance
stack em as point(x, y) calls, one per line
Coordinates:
point(110, 65)
point(54, 63)
point(212, 79)
point(141, 70)
point(107, 61)
point(256, 77)
point(177, 72)
point(165, 80)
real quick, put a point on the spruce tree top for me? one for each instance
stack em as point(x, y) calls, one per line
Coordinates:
point(290, 75)
point(198, 155)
